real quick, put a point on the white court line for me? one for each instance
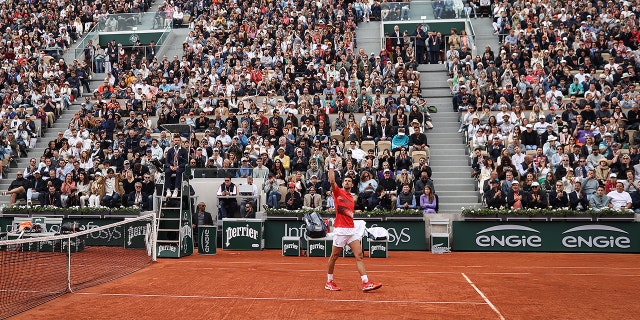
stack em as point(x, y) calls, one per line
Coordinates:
point(483, 297)
point(413, 265)
point(425, 272)
point(274, 298)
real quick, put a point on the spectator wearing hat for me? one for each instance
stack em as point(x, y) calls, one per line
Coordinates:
point(606, 146)
point(245, 170)
point(293, 199)
point(516, 198)
point(536, 198)
point(529, 137)
point(494, 197)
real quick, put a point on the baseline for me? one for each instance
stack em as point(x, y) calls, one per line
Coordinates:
point(143, 295)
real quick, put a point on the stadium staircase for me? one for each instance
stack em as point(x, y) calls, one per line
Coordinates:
point(451, 172)
point(60, 125)
point(174, 233)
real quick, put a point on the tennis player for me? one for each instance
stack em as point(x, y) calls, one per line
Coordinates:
point(345, 232)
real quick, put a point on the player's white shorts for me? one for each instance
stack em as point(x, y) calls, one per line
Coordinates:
point(344, 236)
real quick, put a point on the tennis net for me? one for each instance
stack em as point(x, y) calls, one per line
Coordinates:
point(36, 268)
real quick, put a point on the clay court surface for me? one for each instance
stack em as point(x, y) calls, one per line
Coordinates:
point(417, 285)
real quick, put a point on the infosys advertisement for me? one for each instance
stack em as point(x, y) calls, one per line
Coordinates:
point(545, 236)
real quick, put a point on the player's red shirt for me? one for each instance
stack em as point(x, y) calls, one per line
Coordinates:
point(344, 208)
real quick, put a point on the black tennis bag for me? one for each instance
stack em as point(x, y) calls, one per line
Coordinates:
point(69, 227)
point(314, 225)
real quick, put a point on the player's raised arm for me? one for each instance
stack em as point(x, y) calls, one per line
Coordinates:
point(332, 176)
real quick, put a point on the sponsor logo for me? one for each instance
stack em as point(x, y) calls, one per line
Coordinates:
point(245, 231)
point(167, 247)
point(398, 236)
point(596, 236)
point(318, 246)
point(206, 240)
point(510, 235)
point(378, 248)
point(291, 246)
point(137, 231)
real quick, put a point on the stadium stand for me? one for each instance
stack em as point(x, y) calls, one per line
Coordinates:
point(252, 78)
point(555, 107)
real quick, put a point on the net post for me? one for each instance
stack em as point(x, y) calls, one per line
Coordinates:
point(69, 263)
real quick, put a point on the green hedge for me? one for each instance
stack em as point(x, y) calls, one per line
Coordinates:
point(483, 212)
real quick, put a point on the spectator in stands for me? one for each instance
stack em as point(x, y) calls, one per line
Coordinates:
point(428, 201)
point(38, 186)
point(578, 198)
point(494, 197)
point(112, 189)
point(51, 198)
point(406, 199)
point(516, 198)
point(271, 190)
point(138, 198)
point(536, 198)
point(620, 199)
point(18, 188)
point(293, 199)
point(600, 200)
point(312, 200)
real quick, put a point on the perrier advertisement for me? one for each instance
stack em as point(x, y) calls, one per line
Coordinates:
point(242, 234)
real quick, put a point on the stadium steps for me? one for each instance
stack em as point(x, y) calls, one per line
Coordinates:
point(368, 37)
point(60, 124)
point(484, 35)
point(448, 160)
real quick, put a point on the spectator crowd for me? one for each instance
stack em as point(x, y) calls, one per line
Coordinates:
point(552, 115)
point(270, 90)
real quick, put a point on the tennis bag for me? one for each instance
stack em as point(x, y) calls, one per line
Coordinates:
point(314, 225)
point(69, 227)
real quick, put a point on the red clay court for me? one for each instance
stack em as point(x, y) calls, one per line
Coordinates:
point(417, 285)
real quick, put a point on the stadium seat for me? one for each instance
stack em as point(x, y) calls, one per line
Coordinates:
point(366, 145)
point(337, 135)
point(630, 133)
point(416, 155)
point(384, 145)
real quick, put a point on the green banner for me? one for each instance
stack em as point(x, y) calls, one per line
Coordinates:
point(242, 234)
point(207, 236)
point(136, 234)
point(109, 237)
point(545, 236)
point(5, 223)
point(403, 235)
